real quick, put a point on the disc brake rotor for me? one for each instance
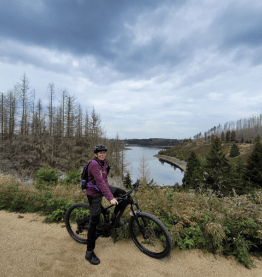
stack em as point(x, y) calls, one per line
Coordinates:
point(149, 233)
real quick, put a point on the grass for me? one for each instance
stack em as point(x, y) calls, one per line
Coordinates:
point(223, 226)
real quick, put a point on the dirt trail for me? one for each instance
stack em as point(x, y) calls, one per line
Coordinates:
point(172, 160)
point(32, 248)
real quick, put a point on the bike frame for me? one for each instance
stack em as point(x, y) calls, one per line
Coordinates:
point(134, 213)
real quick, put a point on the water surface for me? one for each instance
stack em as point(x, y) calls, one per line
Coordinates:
point(162, 172)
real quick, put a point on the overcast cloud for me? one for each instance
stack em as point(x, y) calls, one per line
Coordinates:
point(151, 69)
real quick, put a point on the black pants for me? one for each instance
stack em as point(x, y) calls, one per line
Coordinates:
point(95, 209)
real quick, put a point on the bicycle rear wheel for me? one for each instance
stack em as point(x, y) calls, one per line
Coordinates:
point(77, 221)
point(157, 242)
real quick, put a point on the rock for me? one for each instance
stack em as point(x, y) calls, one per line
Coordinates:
point(28, 183)
point(61, 178)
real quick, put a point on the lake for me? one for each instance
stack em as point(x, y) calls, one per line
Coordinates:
point(162, 172)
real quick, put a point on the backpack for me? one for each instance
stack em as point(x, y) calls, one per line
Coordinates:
point(84, 177)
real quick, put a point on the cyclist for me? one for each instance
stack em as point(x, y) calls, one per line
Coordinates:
point(97, 170)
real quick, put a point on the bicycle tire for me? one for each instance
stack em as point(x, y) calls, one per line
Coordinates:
point(69, 222)
point(138, 238)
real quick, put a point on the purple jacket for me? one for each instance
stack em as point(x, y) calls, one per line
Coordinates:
point(100, 181)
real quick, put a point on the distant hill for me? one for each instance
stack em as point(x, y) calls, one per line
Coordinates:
point(150, 142)
point(202, 148)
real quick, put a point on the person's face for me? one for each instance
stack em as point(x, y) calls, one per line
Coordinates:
point(101, 155)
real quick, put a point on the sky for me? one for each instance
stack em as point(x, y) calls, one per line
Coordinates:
point(151, 69)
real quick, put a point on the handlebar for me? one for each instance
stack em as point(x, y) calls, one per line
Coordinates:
point(124, 196)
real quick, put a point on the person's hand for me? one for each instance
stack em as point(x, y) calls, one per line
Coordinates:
point(114, 201)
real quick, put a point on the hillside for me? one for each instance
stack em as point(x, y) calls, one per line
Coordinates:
point(202, 148)
point(151, 142)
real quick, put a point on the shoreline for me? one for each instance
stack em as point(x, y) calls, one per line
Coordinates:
point(150, 146)
point(172, 160)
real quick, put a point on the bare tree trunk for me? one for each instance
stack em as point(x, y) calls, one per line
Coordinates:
point(64, 97)
point(95, 121)
point(11, 103)
point(26, 100)
point(71, 109)
point(79, 123)
point(144, 170)
point(40, 120)
point(2, 117)
point(124, 163)
point(51, 96)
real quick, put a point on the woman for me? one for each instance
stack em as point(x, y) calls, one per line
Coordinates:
point(99, 188)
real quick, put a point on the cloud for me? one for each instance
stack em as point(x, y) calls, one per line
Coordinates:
point(237, 29)
point(98, 30)
point(148, 67)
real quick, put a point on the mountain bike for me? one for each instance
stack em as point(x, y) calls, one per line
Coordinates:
point(147, 232)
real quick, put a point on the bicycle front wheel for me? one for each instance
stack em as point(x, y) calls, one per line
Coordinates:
point(151, 237)
point(77, 221)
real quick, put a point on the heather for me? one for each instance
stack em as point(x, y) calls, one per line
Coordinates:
point(200, 218)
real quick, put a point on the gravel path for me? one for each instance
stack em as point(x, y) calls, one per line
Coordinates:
point(32, 248)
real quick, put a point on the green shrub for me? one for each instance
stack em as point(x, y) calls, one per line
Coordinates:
point(193, 220)
point(14, 200)
point(73, 177)
point(241, 238)
point(46, 177)
point(191, 238)
point(182, 158)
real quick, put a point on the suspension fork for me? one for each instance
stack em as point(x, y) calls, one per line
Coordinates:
point(142, 230)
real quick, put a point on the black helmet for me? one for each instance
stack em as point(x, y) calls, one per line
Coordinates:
point(99, 148)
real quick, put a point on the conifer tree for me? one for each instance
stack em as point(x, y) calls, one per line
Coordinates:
point(194, 174)
point(254, 166)
point(238, 171)
point(228, 136)
point(127, 181)
point(217, 168)
point(234, 151)
point(233, 136)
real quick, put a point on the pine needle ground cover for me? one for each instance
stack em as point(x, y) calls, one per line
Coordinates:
point(223, 226)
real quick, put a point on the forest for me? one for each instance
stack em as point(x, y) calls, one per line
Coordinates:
point(152, 142)
point(225, 160)
point(63, 136)
point(242, 130)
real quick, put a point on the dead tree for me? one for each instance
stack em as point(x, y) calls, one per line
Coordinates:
point(25, 99)
point(70, 116)
point(50, 107)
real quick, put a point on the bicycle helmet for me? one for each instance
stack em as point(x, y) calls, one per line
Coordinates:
point(99, 148)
